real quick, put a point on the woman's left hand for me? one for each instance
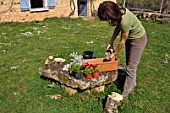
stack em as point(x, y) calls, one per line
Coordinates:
point(110, 57)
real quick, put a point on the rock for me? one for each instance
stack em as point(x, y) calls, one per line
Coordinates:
point(164, 21)
point(55, 72)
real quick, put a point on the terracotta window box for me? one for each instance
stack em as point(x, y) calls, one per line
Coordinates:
point(104, 66)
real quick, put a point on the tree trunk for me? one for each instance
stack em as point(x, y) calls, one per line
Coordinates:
point(161, 6)
point(113, 102)
point(124, 2)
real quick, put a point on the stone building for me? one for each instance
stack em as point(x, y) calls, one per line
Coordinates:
point(30, 10)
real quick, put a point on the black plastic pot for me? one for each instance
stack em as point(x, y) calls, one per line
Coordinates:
point(87, 55)
point(78, 75)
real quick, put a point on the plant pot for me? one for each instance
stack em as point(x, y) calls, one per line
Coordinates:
point(89, 76)
point(104, 66)
point(72, 74)
point(78, 75)
point(87, 55)
point(96, 75)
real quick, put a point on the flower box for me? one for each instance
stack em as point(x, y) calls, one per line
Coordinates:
point(104, 66)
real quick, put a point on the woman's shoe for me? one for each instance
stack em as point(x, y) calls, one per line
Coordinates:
point(132, 91)
point(125, 97)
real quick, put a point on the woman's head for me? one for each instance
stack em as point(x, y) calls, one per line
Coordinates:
point(110, 11)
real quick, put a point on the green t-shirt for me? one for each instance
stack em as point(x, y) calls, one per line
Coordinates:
point(131, 23)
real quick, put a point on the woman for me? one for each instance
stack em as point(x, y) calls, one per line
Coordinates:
point(132, 35)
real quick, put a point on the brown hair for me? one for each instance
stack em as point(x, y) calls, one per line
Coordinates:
point(110, 11)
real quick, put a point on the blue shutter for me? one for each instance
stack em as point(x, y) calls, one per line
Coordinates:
point(51, 3)
point(25, 5)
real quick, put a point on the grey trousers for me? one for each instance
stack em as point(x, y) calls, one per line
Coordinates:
point(134, 49)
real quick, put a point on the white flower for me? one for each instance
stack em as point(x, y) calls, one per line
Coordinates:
point(67, 28)
point(4, 33)
point(90, 42)
point(14, 67)
point(5, 44)
point(15, 93)
point(39, 32)
point(34, 28)
point(167, 58)
point(166, 61)
point(27, 34)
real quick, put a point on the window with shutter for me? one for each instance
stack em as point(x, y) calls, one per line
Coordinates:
point(25, 5)
point(28, 5)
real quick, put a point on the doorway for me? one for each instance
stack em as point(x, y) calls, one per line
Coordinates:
point(82, 7)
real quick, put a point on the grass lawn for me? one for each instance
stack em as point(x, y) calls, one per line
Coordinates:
point(25, 46)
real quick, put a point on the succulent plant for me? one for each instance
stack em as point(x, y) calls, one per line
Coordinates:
point(76, 59)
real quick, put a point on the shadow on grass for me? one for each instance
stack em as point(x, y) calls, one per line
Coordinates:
point(120, 79)
point(47, 79)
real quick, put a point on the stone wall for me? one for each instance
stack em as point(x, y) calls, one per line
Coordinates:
point(14, 14)
point(10, 10)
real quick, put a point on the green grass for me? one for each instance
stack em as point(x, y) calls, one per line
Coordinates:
point(25, 46)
